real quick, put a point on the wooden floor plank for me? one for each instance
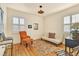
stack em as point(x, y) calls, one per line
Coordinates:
point(21, 50)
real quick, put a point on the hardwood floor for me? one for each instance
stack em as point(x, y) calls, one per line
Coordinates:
point(20, 50)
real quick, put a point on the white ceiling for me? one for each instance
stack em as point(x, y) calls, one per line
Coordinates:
point(48, 7)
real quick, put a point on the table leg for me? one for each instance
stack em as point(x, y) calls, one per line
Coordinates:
point(65, 48)
point(72, 50)
point(77, 53)
point(69, 52)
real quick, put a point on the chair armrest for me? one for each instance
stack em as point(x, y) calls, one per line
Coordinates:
point(9, 38)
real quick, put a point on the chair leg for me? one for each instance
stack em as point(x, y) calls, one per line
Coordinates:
point(20, 43)
point(31, 42)
point(26, 44)
point(70, 51)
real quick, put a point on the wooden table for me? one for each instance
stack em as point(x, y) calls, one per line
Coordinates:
point(71, 44)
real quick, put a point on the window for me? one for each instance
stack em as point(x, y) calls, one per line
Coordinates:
point(18, 24)
point(1, 20)
point(71, 24)
point(75, 22)
point(22, 21)
point(67, 24)
point(15, 20)
point(75, 18)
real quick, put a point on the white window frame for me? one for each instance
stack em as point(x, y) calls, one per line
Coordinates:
point(76, 17)
point(19, 25)
point(67, 23)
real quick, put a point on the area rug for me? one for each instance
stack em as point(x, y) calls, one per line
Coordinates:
point(44, 48)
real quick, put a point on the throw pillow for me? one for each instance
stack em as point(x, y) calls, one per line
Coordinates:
point(51, 35)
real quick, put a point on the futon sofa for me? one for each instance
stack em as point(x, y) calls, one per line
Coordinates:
point(52, 39)
point(56, 41)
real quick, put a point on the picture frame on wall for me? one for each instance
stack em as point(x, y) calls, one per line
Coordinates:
point(29, 26)
point(35, 26)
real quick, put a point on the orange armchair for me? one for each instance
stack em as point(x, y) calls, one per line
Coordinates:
point(25, 39)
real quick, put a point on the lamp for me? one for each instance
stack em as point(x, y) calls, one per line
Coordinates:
point(40, 11)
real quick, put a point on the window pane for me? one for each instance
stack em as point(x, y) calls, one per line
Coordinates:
point(67, 20)
point(18, 24)
point(22, 21)
point(66, 28)
point(15, 20)
point(75, 18)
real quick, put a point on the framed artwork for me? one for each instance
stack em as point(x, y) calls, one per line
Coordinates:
point(29, 26)
point(35, 26)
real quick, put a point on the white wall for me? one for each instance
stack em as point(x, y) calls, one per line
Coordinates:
point(55, 22)
point(30, 20)
point(50, 23)
point(21, 10)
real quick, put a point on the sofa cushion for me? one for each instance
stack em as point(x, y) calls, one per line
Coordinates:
point(51, 35)
point(57, 41)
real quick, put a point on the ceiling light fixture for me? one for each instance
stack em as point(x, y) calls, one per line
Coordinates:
point(40, 11)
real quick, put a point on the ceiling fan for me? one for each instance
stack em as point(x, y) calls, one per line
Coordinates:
point(40, 11)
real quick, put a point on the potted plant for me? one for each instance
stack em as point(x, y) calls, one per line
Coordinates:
point(75, 31)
